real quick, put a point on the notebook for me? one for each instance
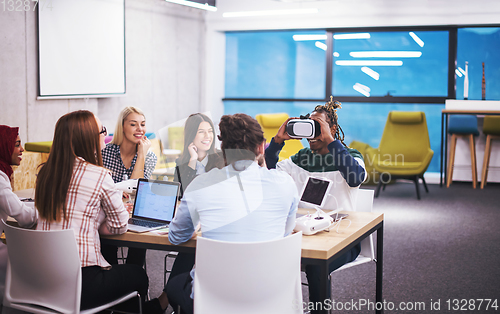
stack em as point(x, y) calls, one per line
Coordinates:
point(154, 205)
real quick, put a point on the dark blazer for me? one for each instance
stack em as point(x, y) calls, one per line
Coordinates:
point(185, 174)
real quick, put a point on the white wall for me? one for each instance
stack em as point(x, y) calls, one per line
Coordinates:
point(334, 14)
point(175, 55)
point(165, 49)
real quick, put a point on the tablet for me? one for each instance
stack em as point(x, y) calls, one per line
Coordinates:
point(315, 191)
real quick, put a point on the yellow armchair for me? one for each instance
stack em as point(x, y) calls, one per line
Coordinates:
point(270, 123)
point(404, 150)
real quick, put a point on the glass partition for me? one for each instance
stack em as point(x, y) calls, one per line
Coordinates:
point(477, 45)
point(275, 65)
point(400, 64)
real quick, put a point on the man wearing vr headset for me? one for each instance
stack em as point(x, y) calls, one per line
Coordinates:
point(327, 156)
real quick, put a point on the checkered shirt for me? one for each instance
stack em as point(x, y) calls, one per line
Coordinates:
point(112, 160)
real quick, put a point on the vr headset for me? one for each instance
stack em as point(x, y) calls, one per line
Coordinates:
point(303, 128)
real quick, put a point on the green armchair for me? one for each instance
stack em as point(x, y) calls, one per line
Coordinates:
point(404, 150)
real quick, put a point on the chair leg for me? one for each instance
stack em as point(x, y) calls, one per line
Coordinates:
point(379, 185)
point(425, 184)
point(486, 161)
point(451, 161)
point(472, 145)
point(415, 179)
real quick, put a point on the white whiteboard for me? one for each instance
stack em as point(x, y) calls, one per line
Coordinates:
point(81, 48)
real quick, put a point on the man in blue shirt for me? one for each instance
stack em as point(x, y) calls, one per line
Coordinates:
point(242, 202)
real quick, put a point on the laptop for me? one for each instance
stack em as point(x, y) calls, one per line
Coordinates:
point(315, 193)
point(154, 206)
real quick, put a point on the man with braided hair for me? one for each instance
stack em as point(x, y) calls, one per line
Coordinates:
point(328, 157)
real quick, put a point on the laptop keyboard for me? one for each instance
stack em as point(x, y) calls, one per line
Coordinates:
point(145, 223)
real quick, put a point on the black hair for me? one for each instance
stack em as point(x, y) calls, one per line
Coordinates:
point(330, 110)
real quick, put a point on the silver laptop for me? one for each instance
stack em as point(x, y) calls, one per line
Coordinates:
point(154, 206)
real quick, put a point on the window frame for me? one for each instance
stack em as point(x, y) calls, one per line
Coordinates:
point(452, 61)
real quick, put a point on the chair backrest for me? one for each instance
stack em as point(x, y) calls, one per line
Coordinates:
point(44, 269)
point(259, 277)
point(406, 134)
point(176, 137)
point(364, 203)
point(171, 137)
point(270, 123)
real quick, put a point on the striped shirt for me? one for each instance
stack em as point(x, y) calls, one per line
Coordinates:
point(91, 189)
point(112, 160)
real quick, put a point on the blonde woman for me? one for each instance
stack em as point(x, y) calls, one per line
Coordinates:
point(128, 157)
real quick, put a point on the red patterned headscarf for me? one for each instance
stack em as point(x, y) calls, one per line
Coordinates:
point(8, 138)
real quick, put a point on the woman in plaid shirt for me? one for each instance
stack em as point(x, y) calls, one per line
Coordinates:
point(72, 191)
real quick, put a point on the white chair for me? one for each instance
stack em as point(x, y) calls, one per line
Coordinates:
point(44, 272)
point(364, 203)
point(248, 278)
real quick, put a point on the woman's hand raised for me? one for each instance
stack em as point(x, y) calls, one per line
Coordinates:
point(143, 146)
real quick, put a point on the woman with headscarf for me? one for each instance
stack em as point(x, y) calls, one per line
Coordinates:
point(24, 212)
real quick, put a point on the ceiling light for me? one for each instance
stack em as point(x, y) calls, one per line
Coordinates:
point(416, 39)
point(270, 12)
point(368, 63)
point(320, 45)
point(371, 73)
point(352, 36)
point(308, 37)
point(458, 73)
point(365, 90)
point(336, 54)
point(194, 5)
point(385, 54)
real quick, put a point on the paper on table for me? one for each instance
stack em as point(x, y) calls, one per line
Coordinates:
point(161, 231)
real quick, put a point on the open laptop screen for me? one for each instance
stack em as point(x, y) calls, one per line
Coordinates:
point(155, 199)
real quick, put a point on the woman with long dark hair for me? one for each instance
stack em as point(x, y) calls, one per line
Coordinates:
point(72, 191)
point(199, 154)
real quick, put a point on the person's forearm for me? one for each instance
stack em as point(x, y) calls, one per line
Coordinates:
point(351, 170)
point(138, 171)
point(181, 227)
point(272, 153)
